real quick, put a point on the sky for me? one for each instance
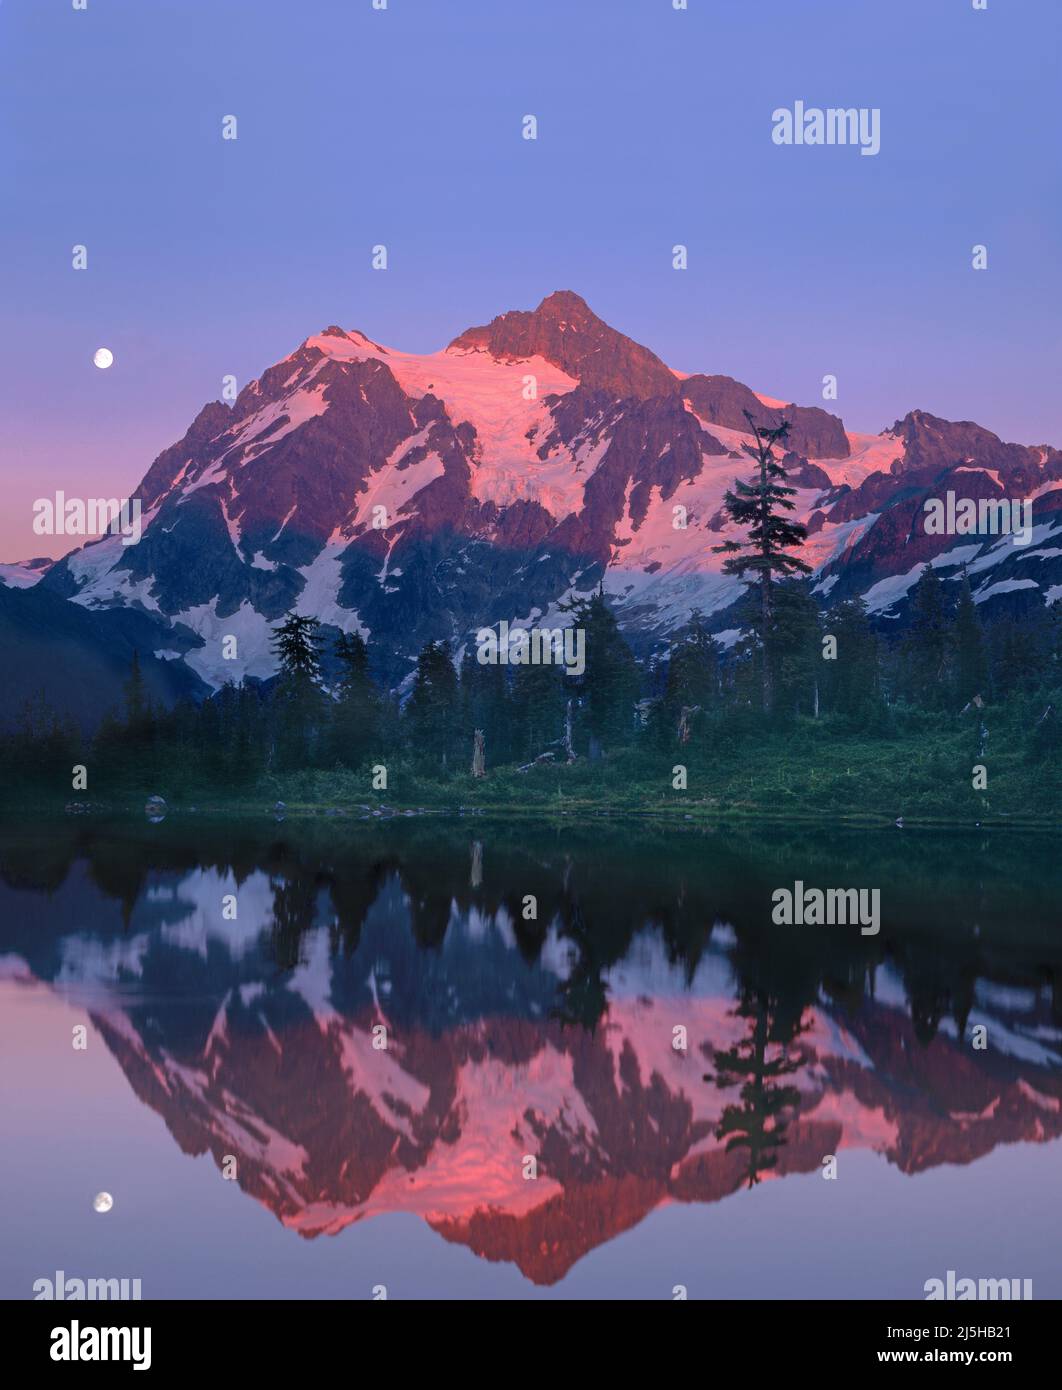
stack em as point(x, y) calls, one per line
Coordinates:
point(403, 126)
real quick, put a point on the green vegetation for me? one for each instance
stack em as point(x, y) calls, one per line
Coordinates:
point(809, 770)
point(921, 769)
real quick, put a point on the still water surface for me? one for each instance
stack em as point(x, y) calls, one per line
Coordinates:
point(383, 1044)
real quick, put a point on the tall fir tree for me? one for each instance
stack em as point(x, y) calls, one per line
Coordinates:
point(485, 705)
point(851, 680)
point(297, 644)
point(1024, 656)
point(432, 710)
point(693, 666)
point(138, 735)
point(43, 742)
point(758, 505)
point(355, 713)
point(692, 683)
point(971, 653)
point(537, 705)
point(298, 705)
point(610, 683)
point(926, 650)
point(249, 735)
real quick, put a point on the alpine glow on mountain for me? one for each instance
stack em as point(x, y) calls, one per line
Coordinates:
point(417, 497)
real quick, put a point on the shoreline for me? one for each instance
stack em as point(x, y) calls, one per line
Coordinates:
point(693, 815)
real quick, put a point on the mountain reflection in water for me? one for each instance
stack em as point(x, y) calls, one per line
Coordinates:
point(381, 1028)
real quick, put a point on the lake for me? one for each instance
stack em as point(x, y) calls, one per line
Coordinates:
point(450, 1057)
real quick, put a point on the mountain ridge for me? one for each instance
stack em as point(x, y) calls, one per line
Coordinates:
point(415, 497)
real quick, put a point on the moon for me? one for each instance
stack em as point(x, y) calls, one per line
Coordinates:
point(103, 1201)
point(103, 357)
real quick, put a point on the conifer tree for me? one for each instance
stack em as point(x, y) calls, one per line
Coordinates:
point(297, 704)
point(971, 657)
point(692, 684)
point(693, 667)
point(249, 734)
point(432, 710)
point(135, 749)
point(757, 505)
point(537, 709)
point(356, 712)
point(485, 704)
point(297, 644)
point(227, 702)
point(852, 686)
point(610, 682)
point(1025, 655)
point(927, 648)
point(43, 742)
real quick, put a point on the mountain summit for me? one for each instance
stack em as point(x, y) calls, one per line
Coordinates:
point(565, 331)
point(414, 497)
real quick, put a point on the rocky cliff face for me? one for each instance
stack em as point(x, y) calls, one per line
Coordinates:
point(720, 400)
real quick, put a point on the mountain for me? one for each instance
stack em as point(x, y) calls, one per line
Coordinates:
point(622, 1124)
point(414, 497)
point(25, 573)
point(79, 658)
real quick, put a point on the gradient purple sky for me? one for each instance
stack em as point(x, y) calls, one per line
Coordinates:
point(357, 126)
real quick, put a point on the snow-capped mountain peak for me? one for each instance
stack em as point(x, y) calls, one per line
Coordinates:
point(414, 496)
